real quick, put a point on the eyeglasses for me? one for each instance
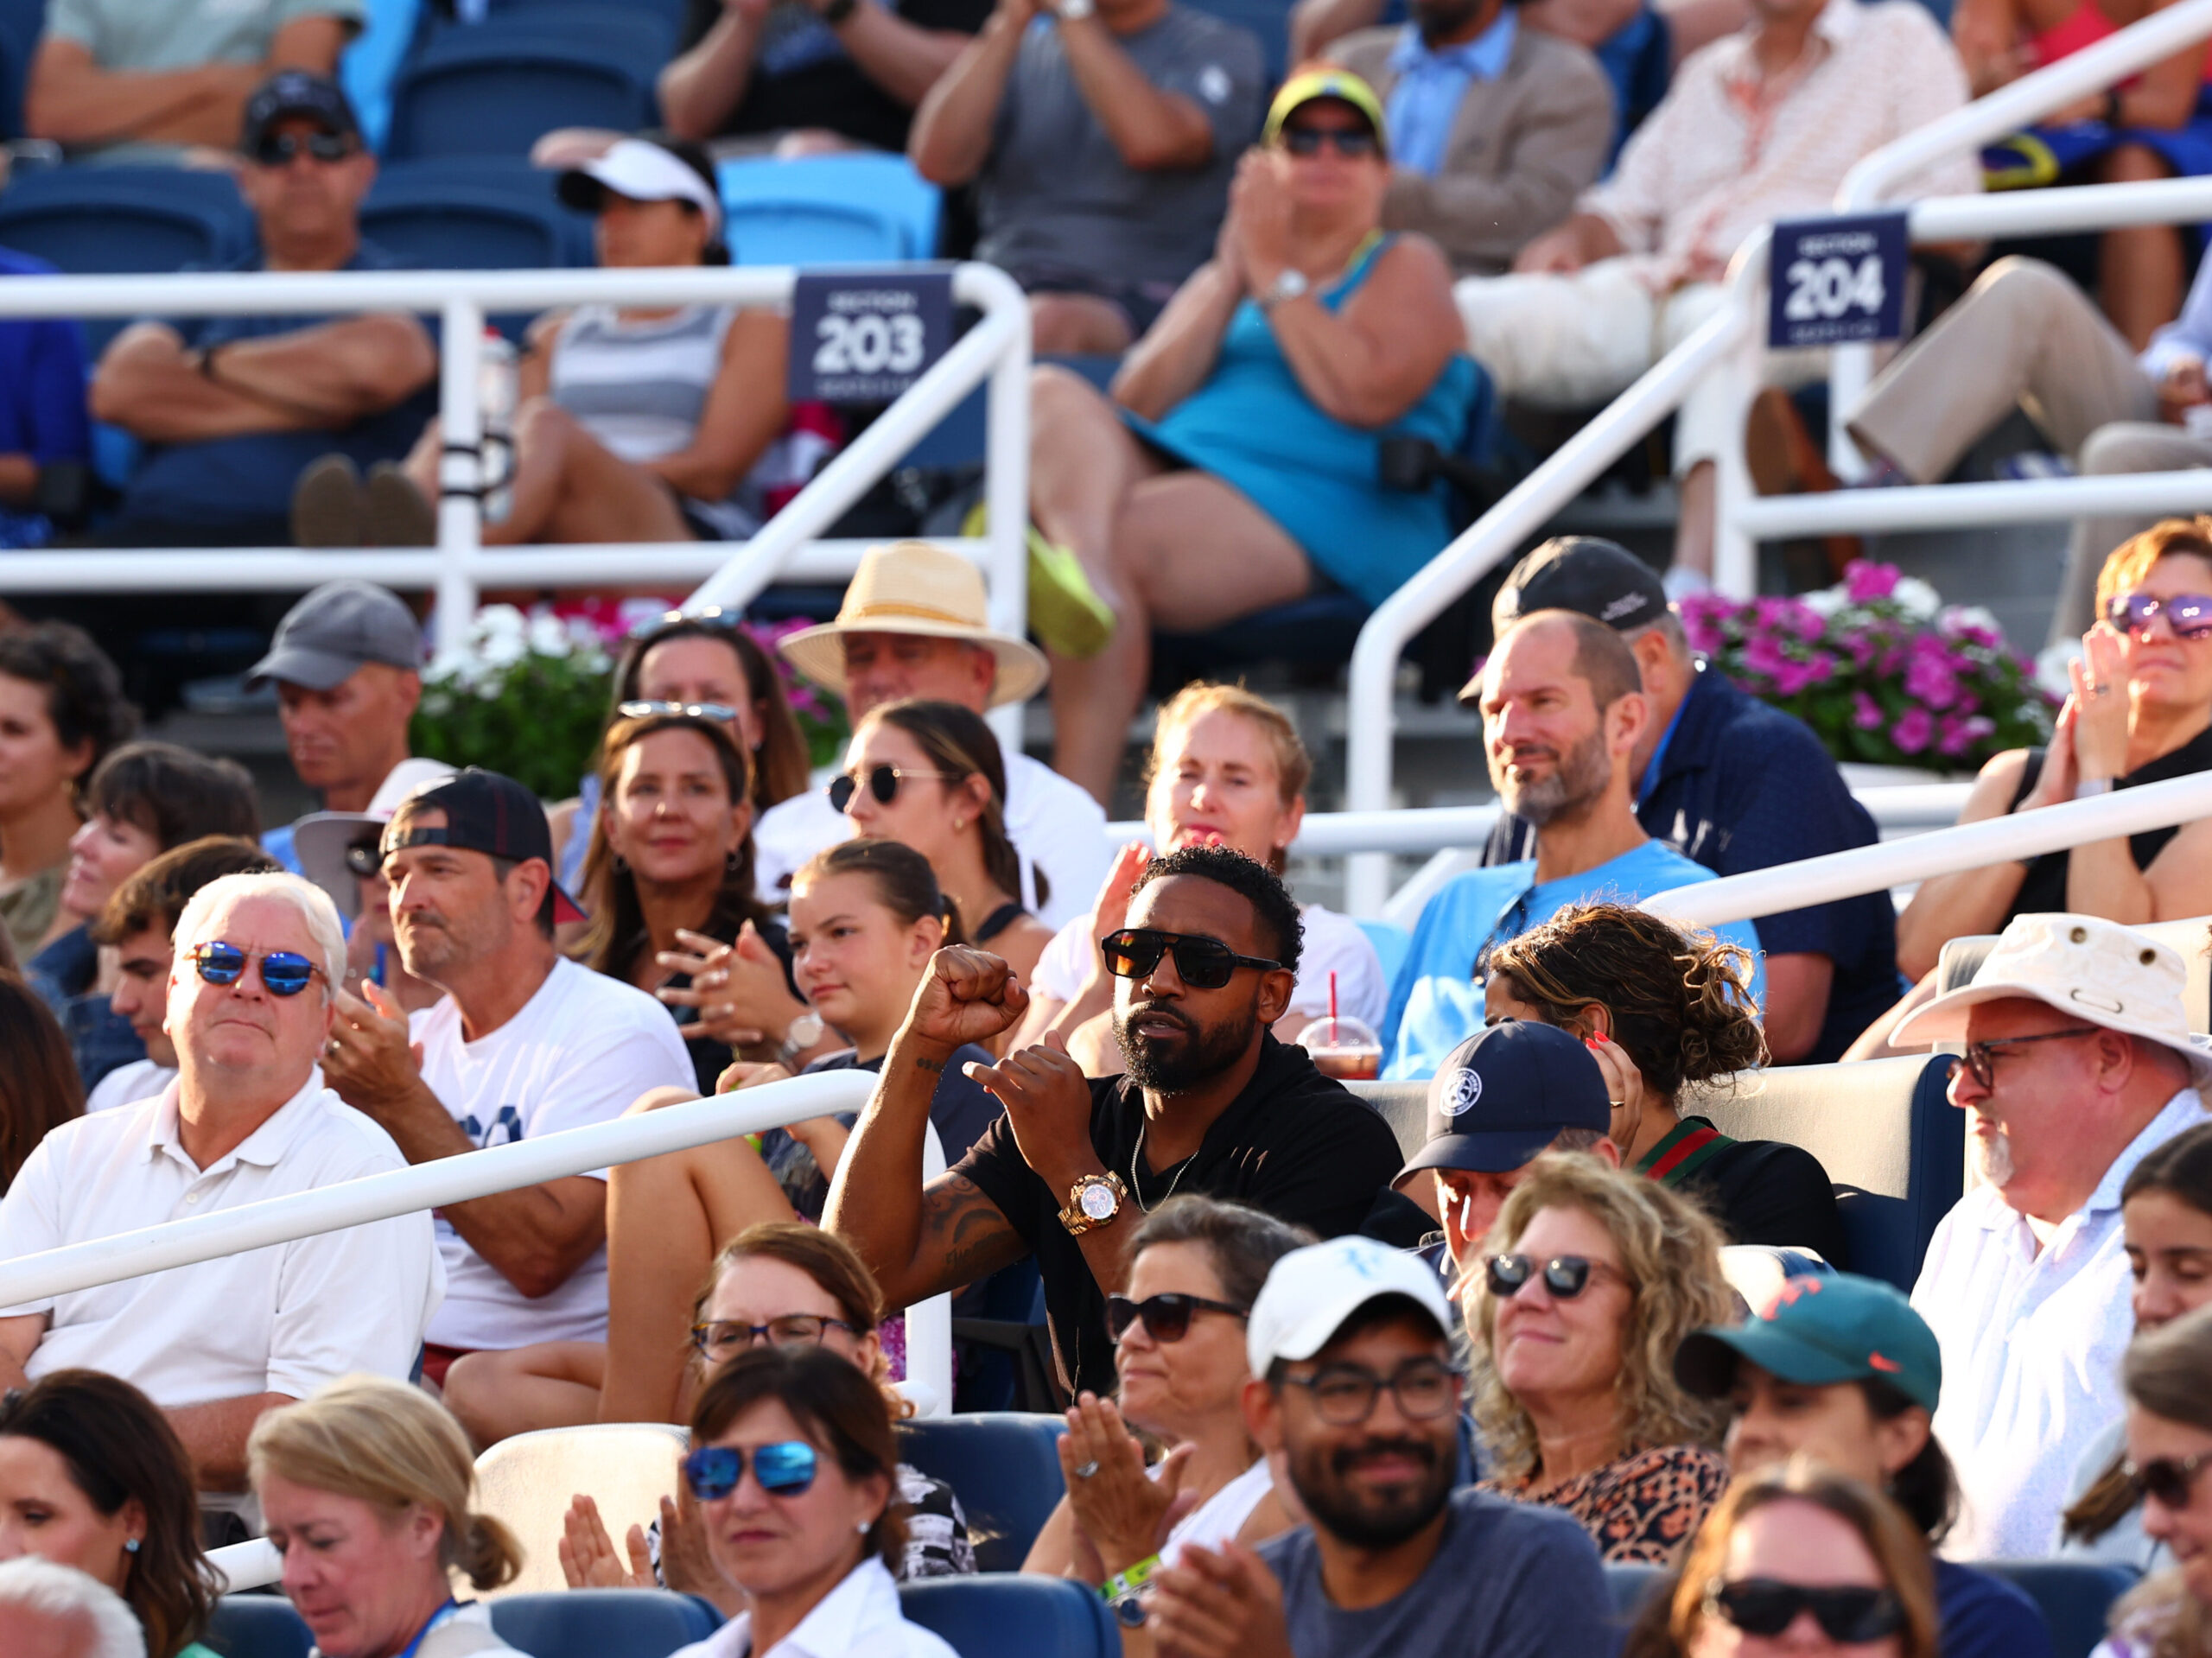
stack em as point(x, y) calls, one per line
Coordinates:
point(792, 1330)
point(1565, 1276)
point(1852, 1615)
point(1344, 1394)
point(786, 1469)
point(1352, 142)
point(1166, 1316)
point(278, 149)
point(1201, 963)
point(2189, 614)
point(720, 712)
point(286, 974)
point(883, 783)
point(1980, 1060)
point(2170, 1479)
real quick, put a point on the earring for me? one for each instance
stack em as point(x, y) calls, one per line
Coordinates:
point(130, 1545)
point(863, 1528)
point(622, 864)
point(958, 824)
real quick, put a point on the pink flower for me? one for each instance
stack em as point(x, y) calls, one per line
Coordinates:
point(1866, 713)
point(1866, 582)
point(1929, 678)
point(1914, 731)
point(1960, 734)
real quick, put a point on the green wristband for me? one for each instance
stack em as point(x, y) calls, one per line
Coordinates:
point(1128, 1582)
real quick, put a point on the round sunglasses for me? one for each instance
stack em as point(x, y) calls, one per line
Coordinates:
point(284, 972)
point(2189, 614)
point(1851, 1616)
point(1166, 1316)
point(1565, 1276)
point(2170, 1479)
point(883, 783)
point(786, 1469)
point(1201, 963)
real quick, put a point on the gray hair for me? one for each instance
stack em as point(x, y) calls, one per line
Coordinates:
point(1669, 625)
point(68, 1595)
point(1241, 1243)
point(313, 904)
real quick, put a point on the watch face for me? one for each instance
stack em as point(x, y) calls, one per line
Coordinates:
point(1096, 1202)
point(1128, 1611)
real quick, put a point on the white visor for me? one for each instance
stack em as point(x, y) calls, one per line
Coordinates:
point(643, 172)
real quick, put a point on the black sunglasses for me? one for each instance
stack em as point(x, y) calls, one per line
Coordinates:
point(278, 149)
point(1201, 963)
point(1344, 1394)
point(284, 972)
point(2170, 1479)
point(792, 1330)
point(1980, 1060)
point(1166, 1316)
point(786, 1469)
point(1851, 1616)
point(713, 616)
point(2189, 614)
point(644, 709)
point(1565, 1276)
point(883, 783)
point(1351, 142)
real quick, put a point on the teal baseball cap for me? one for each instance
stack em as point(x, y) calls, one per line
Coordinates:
point(1819, 1330)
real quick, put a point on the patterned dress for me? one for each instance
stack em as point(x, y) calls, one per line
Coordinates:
point(1642, 1508)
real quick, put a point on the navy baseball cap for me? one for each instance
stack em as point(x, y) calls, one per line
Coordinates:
point(1505, 1094)
point(1599, 578)
point(485, 812)
point(297, 93)
point(1820, 1329)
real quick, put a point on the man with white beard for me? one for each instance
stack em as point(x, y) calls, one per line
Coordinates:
point(1563, 707)
point(2078, 1064)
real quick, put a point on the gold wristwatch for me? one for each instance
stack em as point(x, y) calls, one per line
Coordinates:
point(1093, 1201)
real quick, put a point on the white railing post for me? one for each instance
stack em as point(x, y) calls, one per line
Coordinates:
point(929, 1323)
point(460, 471)
point(1006, 485)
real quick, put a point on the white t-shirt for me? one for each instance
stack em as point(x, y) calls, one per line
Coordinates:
point(1051, 821)
point(127, 1085)
point(580, 1051)
point(289, 1318)
point(1334, 943)
point(1221, 1516)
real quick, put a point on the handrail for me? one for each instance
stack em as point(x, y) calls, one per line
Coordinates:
point(1968, 846)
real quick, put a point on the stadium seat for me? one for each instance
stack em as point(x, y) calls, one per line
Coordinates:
point(475, 213)
point(2074, 1596)
point(602, 1623)
point(257, 1626)
point(1404, 1106)
point(21, 24)
point(1318, 630)
point(1268, 20)
point(1013, 1616)
point(1004, 1468)
point(1963, 958)
point(828, 210)
point(527, 1482)
point(371, 63)
point(495, 88)
point(1632, 1584)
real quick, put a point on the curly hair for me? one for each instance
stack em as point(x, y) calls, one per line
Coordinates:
point(1678, 1003)
point(1670, 1255)
point(1272, 903)
point(84, 692)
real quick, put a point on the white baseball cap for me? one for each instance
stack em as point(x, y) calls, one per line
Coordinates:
point(643, 171)
point(1311, 1292)
point(2097, 971)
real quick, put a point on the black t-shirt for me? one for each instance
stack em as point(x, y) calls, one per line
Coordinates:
point(1295, 1143)
point(2043, 889)
point(804, 77)
point(1764, 1191)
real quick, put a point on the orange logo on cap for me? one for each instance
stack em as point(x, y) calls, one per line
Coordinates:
point(1881, 1363)
point(1791, 1290)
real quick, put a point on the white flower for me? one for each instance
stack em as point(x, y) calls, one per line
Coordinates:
point(499, 622)
point(503, 649)
point(1919, 600)
point(548, 637)
point(1825, 602)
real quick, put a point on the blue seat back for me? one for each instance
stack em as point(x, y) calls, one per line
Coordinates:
point(602, 1623)
point(812, 234)
point(1004, 1468)
point(257, 1626)
point(1001, 1616)
point(2074, 1598)
point(828, 210)
point(495, 89)
point(372, 61)
point(475, 213)
point(1268, 21)
point(1632, 1584)
point(21, 24)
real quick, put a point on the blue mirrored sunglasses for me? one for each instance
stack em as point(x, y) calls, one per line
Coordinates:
point(783, 1469)
point(284, 972)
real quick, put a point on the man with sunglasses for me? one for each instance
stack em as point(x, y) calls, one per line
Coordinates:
point(2078, 1064)
point(1210, 1103)
point(232, 409)
point(248, 1118)
point(1355, 1398)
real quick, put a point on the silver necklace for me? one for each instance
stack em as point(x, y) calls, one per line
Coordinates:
point(1136, 1161)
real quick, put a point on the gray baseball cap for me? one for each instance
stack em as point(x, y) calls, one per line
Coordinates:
point(329, 634)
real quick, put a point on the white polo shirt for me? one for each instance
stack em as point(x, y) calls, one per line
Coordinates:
point(1053, 824)
point(142, 1079)
point(2032, 1343)
point(860, 1618)
point(287, 1318)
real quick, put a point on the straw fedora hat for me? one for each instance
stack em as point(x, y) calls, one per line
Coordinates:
point(911, 587)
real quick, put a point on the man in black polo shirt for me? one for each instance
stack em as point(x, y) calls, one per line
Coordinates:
point(1210, 1102)
point(1734, 784)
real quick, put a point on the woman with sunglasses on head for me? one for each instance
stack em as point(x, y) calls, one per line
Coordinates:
point(92, 1475)
point(2168, 1429)
point(1800, 1560)
point(1196, 1266)
point(1590, 1279)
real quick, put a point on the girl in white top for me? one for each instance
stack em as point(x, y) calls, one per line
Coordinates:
point(794, 1468)
point(1227, 769)
point(1196, 1264)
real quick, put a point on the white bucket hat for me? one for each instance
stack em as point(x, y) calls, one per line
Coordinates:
point(320, 839)
point(2096, 970)
point(911, 587)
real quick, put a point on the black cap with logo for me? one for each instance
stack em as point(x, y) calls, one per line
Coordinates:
point(1505, 1094)
point(291, 92)
point(485, 812)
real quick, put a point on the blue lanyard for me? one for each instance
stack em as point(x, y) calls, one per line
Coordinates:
point(1659, 754)
point(424, 1634)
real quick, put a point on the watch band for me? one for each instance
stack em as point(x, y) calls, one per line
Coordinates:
point(1128, 1582)
point(1072, 1216)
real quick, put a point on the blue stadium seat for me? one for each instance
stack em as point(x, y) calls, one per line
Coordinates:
point(1633, 1586)
point(828, 210)
point(2074, 1596)
point(21, 24)
point(257, 1626)
point(1013, 1616)
point(668, 13)
point(1315, 631)
point(495, 88)
point(602, 1623)
point(474, 212)
point(371, 63)
point(1003, 1467)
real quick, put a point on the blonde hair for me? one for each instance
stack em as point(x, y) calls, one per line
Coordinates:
point(315, 907)
point(394, 1448)
point(2164, 1373)
point(2131, 560)
point(1293, 765)
point(1670, 1255)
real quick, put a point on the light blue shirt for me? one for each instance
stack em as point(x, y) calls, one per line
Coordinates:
point(2188, 334)
point(1430, 86)
point(1436, 1002)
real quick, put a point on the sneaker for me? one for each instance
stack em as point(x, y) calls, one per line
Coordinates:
point(1067, 616)
point(2033, 466)
point(327, 505)
point(1783, 460)
point(395, 513)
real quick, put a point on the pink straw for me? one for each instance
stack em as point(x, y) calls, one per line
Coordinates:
point(1333, 1007)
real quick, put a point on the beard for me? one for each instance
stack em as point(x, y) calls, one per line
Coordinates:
point(1371, 1519)
point(1578, 778)
point(1171, 1065)
point(1993, 1158)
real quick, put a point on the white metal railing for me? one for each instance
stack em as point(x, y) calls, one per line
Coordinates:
point(1967, 845)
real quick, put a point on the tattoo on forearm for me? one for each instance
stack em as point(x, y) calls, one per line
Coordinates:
point(963, 1229)
point(923, 1062)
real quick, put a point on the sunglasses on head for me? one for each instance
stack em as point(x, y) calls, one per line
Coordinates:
point(1980, 1060)
point(1166, 1316)
point(1565, 1276)
point(2170, 1479)
point(645, 709)
point(1353, 142)
point(285, 972)
point(1201, 963)
point(2189, 614)
point(782, 1470)
point(278, 149)
point(1851, 1616)
point(882, 781)
point(712, 616)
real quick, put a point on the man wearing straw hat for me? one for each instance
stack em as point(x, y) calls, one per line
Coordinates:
point(2078, 1063)
point(915, 623)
